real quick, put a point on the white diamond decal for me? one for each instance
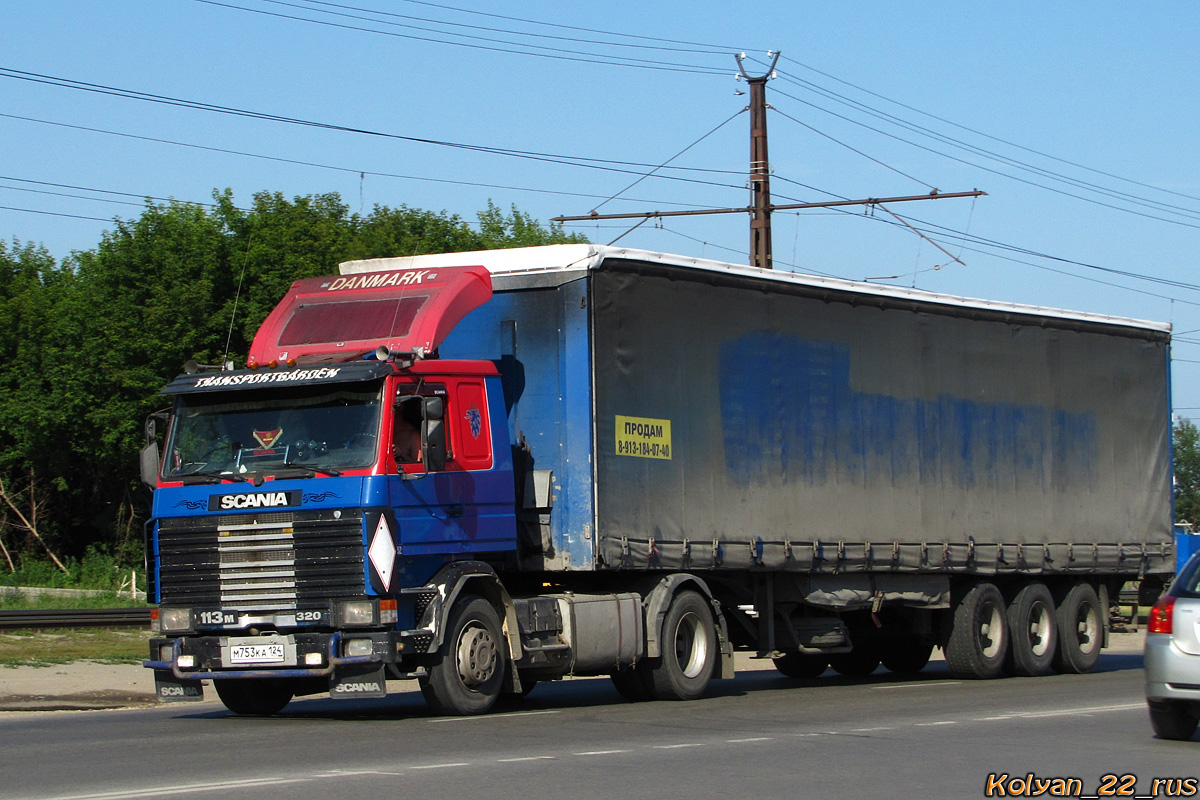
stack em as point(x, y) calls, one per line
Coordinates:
point(383, 552)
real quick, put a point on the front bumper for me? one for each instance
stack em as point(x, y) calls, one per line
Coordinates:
point(316, 655)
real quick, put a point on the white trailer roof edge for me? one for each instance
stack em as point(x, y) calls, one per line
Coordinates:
point(574, 257)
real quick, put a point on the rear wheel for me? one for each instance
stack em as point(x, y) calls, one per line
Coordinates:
point(689, 649)
point(905, 656)
point(1034, 631)
point(254, 697)
point(1172, 720)
point(633, 683)
point(977, 640)
point(469, 673)
point(1080, 630)
point(801, 665)
point(858, 663)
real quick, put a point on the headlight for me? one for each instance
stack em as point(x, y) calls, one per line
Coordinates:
point(175, 619)
point(359, 647)
point(358, 612)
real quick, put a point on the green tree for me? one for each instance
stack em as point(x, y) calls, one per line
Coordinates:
point(85, 345)
point(1186, 453)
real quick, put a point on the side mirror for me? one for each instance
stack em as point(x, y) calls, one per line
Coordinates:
point(149, 457)
point(435, 434)
point(150, 464)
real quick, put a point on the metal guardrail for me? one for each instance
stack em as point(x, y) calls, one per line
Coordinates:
point(76, 618)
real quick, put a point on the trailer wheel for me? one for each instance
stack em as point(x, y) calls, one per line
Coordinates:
point(1034, 631)
point(801, 665)
point(469, 673)
point(860, 662)
point(633, 683)
point(977, 640)
point(906, 656)
point(1080, 630)
point(1172, 720)
point(689, 649)
point(254, 697)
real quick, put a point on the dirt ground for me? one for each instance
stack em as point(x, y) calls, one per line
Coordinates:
point(84, 685)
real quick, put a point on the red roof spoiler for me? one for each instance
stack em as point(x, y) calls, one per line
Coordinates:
point(408, 310)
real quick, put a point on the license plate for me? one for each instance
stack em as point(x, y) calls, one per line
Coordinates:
point(270, 653)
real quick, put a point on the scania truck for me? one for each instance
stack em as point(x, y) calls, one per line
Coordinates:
point(484, 470)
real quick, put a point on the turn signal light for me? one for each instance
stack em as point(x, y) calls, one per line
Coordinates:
point(1161, 615)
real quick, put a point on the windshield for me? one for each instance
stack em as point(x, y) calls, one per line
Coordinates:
point(317, 428)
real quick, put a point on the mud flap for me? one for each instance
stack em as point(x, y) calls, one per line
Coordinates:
point(170, 689)
point(358, 681)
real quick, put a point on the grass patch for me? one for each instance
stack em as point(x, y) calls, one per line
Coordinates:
point(62, 646)
point(23, 602)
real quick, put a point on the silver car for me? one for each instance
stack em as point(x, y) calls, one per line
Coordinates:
point(1173, 656)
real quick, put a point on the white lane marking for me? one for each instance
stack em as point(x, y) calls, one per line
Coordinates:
point(931, 724)
point(183, 788)
point(524, 758)
point(602, 752)
point(1061, 712)
point(442, 766)
point(677, 746)
point(485, 717)
point(870, 730)
point(753, 739)
point(914, 685)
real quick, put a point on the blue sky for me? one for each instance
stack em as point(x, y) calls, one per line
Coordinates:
point(1078, 120)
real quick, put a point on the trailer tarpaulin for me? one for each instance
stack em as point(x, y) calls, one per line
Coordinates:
point(743, 422)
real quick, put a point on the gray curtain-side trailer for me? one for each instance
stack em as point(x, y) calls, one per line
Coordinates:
point(844, 464)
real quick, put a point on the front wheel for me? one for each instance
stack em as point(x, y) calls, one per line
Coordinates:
point(469, 673)
point(253, 697)
point(689, 649)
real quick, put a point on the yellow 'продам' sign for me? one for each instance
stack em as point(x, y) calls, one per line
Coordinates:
point(643, 438)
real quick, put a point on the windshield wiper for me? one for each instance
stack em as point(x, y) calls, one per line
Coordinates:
point(313, 469)
point(210, 476)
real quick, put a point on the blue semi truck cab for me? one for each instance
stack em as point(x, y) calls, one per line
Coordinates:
point(341, 512)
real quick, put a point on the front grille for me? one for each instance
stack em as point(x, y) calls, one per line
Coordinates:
point(261, 561)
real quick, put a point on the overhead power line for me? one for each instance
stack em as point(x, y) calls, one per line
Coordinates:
point(548, 52)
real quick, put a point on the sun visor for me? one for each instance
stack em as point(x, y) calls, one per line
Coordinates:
point(408, 310)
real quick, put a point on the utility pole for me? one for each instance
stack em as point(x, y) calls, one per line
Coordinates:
point(760, 168)
point(760, 207)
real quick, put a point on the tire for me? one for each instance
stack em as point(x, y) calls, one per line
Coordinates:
point(905, 656)
point(1080, 630)
point(253, 697)
point(976, 642)
point(858, 663)
point(633, 683)
point(469, 674)
point(1172, 720)
point(689, 649)
point(1033, 632)
point(801, 665)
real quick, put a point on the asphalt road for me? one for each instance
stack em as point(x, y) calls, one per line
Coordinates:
point(759, 735)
